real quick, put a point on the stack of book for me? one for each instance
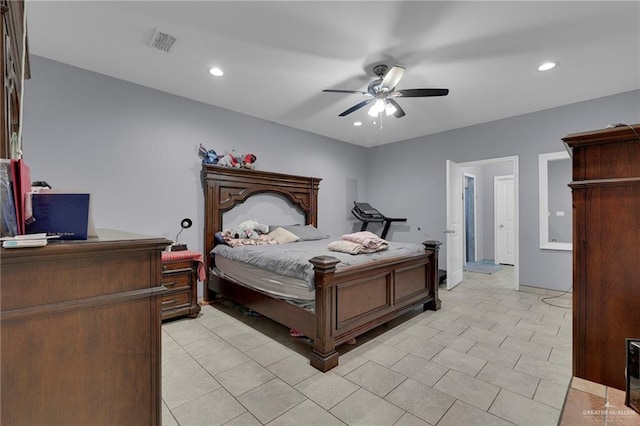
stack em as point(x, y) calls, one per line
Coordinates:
point(27, 240)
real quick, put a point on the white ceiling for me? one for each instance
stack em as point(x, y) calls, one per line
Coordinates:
point(279, 55)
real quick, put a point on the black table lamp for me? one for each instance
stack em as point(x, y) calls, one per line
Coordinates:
point(184, 224)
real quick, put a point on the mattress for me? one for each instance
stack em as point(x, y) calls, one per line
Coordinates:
point(281, 286)
point(292, 260)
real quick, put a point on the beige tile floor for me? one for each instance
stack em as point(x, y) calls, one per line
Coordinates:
point(490, 356)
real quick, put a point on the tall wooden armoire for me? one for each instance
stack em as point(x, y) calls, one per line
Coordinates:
point(14, 62)
point(606, 250)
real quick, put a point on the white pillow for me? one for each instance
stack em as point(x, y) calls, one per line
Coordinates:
point(282, 236)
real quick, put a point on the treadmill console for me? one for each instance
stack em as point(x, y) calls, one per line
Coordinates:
point(366, 213)
point(366, 209)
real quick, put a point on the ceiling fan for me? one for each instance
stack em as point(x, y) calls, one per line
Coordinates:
point(382, 92)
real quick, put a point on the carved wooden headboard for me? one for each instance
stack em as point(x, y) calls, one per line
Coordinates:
point(226, 187)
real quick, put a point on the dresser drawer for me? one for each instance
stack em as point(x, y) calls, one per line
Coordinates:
point(175, 281)
point(176, 299)
point(177, 265)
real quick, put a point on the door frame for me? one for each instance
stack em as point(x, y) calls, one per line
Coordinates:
point(516, 200)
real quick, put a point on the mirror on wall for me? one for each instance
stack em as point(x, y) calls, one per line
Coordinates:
point(556, 229)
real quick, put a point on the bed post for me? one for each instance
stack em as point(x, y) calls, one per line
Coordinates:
point(324, 356)
point(436, 303)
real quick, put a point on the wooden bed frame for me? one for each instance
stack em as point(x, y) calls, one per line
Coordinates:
point(349, 301)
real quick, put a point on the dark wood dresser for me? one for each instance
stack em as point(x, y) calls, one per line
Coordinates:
point(606, 251)
point(81, 332)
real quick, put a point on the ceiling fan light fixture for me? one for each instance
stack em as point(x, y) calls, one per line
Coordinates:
point(390, 109)
point(377, 108)
point(547, 66)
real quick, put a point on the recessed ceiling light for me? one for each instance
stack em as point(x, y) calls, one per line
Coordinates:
point(357, 123)
point(216, 71)
point(547, 66)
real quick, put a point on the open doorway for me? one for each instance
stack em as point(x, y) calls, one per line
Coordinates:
point(477, 215)
point(469, 218)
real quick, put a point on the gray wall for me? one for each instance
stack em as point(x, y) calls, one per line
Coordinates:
point(135, 150)
point(415, 184)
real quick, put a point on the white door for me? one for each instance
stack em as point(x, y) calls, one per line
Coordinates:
point(504, 220)
point(454, 225)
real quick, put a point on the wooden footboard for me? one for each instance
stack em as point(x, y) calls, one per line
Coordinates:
point(349, 301)
point(357, 299)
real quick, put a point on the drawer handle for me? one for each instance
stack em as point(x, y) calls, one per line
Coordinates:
point(181, 270)
point(170, 283)
point(169, 302)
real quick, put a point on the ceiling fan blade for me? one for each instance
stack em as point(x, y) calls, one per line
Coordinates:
point(360, 92)
point(391, 78)
point(418, 93)
point(356, 107)
point(399, 111)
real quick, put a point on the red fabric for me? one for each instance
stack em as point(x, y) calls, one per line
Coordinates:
point(187, 254)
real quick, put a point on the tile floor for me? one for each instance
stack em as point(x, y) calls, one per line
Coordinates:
point(490, 356)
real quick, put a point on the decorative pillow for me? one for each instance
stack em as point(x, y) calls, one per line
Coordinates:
point(307, 233)
point(282, 236)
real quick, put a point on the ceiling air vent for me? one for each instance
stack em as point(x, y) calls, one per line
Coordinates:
point(162, 41)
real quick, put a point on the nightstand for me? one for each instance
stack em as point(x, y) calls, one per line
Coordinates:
point(180, 277)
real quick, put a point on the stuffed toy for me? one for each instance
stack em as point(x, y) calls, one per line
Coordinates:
point(247, 229)
point(209, 156)
point(248, 160)
point(232, 159)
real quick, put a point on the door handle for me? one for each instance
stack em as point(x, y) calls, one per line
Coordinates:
point(501, 226)
point(449, 231)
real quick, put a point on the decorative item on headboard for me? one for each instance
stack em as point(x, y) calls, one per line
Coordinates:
point(177, 246)
point(237, 160)
point(209, 156)
point(248, 161)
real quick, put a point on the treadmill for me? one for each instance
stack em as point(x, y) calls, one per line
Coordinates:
point(366, 213)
